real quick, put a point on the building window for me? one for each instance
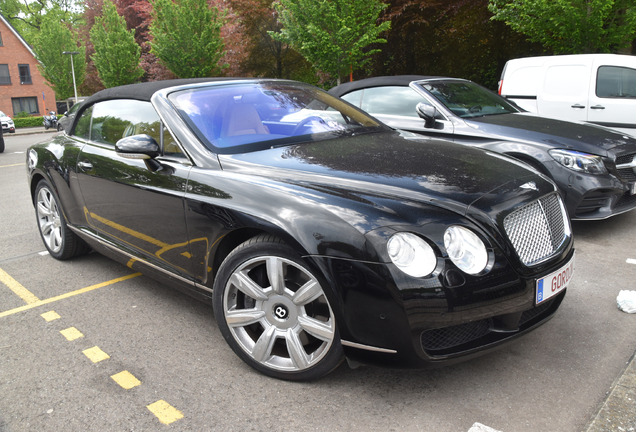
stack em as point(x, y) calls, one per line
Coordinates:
point(25, 74)
point(26, 104)
point(5, 78)
point(0, 39)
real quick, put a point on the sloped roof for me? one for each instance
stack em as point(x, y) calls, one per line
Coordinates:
point(15, 32)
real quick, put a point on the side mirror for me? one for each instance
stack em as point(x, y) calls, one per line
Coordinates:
point(137, 147)
point(428, 113)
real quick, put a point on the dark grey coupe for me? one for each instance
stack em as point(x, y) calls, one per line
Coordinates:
point(317, 232)
point(594, 167)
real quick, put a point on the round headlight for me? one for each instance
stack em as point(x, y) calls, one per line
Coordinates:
point(411, 254)
point(465, 249)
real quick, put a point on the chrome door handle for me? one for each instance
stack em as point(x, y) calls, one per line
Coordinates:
point(85, 166)
point(598, 107)
point(578, 106)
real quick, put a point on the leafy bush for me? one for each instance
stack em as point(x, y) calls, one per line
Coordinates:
point(27, 122)
point(22, 114)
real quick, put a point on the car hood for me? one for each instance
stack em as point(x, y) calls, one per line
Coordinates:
point(385, 164)
point(528, 127)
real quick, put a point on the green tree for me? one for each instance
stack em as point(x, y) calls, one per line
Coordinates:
point(333, 35)
point(186, 37)
point(53, 39)
point(117, 54)
point(27, 16)
point(571, 26)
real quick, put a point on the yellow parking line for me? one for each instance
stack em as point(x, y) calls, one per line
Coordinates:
point(126, 380)
point(50, 316)
point(71, 333)
point(67, 295)
point(5, 166)
point(165, 412)
point(15, 286)
point(95, 354)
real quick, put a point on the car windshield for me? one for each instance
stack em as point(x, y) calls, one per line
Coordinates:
point(243, 117)
point(466, 99)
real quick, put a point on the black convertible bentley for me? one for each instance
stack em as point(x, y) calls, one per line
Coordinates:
point(594, 167)
point(317, 232)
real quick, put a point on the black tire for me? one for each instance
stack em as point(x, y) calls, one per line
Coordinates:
point(285, 330)
point(1, 144)
point(58, 239)
point(59, 127)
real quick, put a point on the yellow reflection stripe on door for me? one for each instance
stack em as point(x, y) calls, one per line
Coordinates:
point(129, 231)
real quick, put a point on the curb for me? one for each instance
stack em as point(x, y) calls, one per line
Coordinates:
point(29, 131)
point(618, 411)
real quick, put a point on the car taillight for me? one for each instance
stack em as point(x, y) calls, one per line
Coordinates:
point(500, 86)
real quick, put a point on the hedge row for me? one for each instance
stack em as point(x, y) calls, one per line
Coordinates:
point(27, 122)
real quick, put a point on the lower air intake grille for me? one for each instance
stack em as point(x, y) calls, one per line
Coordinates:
point(448, 337)
point(538, 229)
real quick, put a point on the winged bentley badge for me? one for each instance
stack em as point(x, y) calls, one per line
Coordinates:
point(530, 185)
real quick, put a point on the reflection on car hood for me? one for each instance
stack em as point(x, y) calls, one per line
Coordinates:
point(529, 127)
point(424, 170)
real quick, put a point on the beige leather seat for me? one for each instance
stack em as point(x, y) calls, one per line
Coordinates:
point(242, 119)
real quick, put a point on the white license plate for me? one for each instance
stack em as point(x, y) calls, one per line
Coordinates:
point(555, 282)
point(632, 188)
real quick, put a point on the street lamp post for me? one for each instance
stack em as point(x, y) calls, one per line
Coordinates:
point(72, 53)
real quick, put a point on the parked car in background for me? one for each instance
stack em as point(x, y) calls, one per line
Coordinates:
point(317, 232)
point(596, 88)
point(594, 167)
point(67, 119)
point(7, 123)
point(1, 141)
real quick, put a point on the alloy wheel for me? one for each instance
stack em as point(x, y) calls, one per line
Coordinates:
point(278, 313)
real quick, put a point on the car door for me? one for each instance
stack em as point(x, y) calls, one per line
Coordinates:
point(563, 93)
point(613, 95)
point(395, 106)
point(132, 203)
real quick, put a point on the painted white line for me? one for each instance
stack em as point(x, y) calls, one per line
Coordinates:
point(478, 427)
point(631, 261)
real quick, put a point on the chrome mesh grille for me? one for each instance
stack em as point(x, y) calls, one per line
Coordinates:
point(538, 229)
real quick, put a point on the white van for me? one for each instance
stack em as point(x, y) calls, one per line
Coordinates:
point(597, 88)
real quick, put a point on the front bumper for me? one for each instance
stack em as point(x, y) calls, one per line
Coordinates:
point(589, 196)
point(397, 324)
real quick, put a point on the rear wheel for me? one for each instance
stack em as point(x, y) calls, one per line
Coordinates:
point(59, 240)
point(273, 312)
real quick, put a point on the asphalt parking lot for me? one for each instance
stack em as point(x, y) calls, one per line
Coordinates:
point(88, 344)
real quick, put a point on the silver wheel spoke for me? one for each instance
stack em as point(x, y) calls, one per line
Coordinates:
point(296, 350)
point(264, 345)
point(248, 286)
point(275, 274)
point(307, 293)
point(243, 317)
point(46, 198)
point(47, 227)
point(318, 329)
point(43, 210)
point(51, 240)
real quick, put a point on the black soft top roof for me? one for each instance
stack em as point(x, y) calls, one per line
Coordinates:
point(144, 91)
point(398, 80)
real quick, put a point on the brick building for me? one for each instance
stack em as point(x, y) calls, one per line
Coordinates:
point(22, 87)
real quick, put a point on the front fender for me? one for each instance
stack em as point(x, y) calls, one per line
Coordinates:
point(55, 161)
